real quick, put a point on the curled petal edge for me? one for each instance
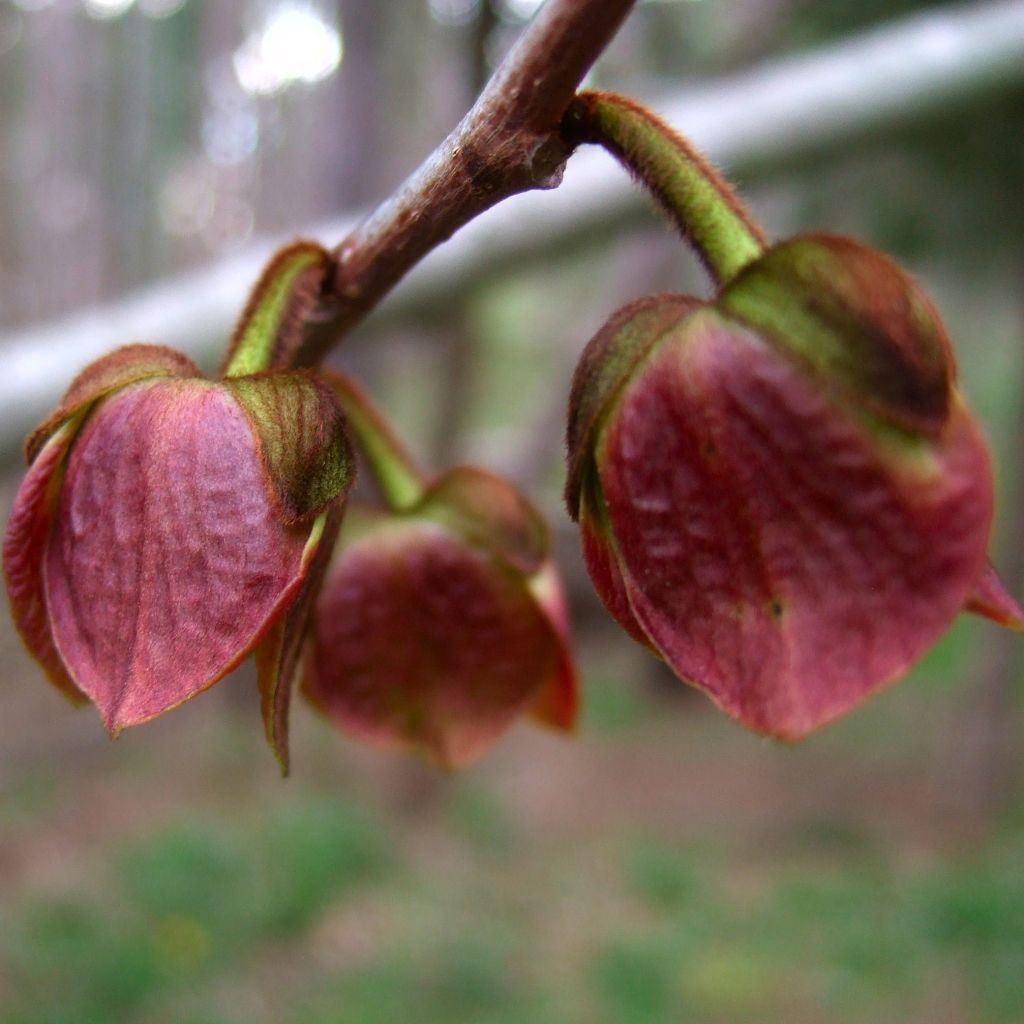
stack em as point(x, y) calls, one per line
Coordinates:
point(129, 364)
point(278, 655)
point(28, 530)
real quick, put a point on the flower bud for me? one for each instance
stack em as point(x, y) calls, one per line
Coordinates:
point(169, 526)
point(781, 492)
point(440, 624)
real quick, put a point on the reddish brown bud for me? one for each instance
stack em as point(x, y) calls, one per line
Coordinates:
point(438, 626)
point(784, 496)
point(163, 530)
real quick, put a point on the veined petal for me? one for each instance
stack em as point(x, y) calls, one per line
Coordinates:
point(856, 321)
point(167, 561)
point(305, 453)
point(607, 363)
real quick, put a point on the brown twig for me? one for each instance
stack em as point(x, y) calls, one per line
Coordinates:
point(508, 143)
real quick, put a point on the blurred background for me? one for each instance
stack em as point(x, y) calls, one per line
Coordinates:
point(664, 865)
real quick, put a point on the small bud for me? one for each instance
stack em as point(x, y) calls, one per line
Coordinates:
point(439, 625)
point(781, 492)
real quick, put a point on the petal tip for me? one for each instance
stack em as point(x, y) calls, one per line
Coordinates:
point(991, 599)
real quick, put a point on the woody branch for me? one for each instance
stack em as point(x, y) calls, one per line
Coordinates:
point(508, 143)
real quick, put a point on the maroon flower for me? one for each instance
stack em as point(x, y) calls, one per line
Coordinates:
point(169, 526)
point(439, 625)
point(781, 492)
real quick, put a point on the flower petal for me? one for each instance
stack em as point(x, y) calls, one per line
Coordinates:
point(780, 554)
point(609, 359)
point(303, 446)
point(558, 703)
point(167, 561)
point(487, 511)
point(857, 322)
point(603, 561)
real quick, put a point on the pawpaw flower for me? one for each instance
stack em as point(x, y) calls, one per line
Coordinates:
point(169, 526)
point(781, 492)
point(441, 623)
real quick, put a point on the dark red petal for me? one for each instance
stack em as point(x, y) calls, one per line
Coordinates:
point(167, 562)
point(557, 705)
point(24, 547)
point(278, 654)
point(126, 365)
point(423, 641)
point(781, 555)
point(991, 599)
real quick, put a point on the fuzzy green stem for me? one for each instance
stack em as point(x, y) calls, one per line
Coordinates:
point(281, 302)
point(684, 184)
point(399, 480)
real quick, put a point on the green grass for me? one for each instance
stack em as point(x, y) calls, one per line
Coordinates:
point(863, 937)
point(823, 923)
point(196, 899)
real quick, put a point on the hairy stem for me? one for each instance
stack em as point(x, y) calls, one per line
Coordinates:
point(509, 142)
point(686, 186)
point(279, 306)
point(396, 475)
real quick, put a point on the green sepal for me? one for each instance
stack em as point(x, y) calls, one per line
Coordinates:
point(126, 365)
point(271, 323)
point(301, 434)
point(606, 365)
point(489, 513)
point(857, 321)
